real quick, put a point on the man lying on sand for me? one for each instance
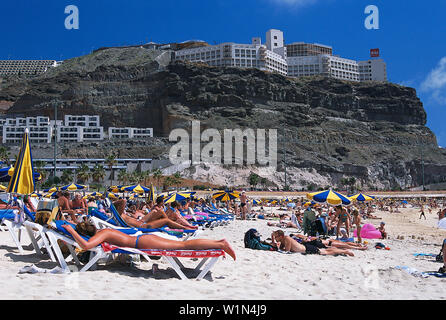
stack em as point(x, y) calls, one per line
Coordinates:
point(144, 241)
point(288, 244)
point(328, 243)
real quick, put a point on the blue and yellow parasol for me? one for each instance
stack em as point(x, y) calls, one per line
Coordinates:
point(22, 181)
point(225, 195)
point(329, 196)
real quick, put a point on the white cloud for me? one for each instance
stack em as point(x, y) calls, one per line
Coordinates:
point(435, 82)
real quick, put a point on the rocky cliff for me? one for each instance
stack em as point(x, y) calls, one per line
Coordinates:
point(328, 129)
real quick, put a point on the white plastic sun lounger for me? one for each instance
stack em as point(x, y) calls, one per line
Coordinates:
point(104, 251)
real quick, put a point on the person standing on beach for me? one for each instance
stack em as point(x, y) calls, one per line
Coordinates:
point(357, 222)
point(343, 219)
point(422, 212)
point(243, 204)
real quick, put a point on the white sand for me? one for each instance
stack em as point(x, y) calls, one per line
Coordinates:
point(255, 274)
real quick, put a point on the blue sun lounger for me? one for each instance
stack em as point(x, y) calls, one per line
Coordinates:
point(121, 223)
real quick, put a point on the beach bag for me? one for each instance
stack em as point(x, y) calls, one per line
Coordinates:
point(252, 241)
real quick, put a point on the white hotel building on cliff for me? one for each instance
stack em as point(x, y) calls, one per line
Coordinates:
point(268, 57)
point(294, 60)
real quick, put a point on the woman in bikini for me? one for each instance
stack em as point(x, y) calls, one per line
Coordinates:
point(157, 218)
point(343, 219)
point(174, 214)
point(145, 241)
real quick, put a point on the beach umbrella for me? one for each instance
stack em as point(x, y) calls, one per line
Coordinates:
point(255, 202)
point(72, 187)
point(94, 194)
point(329, 196)
point(22, 181)
point(152, 195)
point(178, 196)
point(7, 173)
point(36, 195)
point(50, 195)
point(136, 189)
point(225, 195)
point(114, 188)
point(361, 197)
point(111, 195)
point(53, 189)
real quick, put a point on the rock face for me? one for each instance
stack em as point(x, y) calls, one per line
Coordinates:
point(329, 129)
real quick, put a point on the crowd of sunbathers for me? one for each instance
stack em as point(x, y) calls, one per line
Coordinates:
point(138, 214)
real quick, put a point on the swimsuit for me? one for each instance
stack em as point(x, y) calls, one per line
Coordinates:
point(311, 249)
point(317, 243)
point(137, 239)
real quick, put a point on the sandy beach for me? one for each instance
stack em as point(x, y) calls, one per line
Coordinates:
point(255, 275)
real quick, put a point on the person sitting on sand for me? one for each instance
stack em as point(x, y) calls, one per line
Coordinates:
point(441, 214)
point(288, 244)
point(283, 223)
point(144, 241)
point(443, 250)
point(382, 229)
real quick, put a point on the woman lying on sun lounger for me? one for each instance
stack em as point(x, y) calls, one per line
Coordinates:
point(157, 218)
point(145, 241)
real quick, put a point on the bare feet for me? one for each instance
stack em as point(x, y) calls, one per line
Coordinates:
point(228, 249)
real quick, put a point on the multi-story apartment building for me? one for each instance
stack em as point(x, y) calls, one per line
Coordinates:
point(302, 49)
point(326, 65)
point(129, 133)
point(254, 55)
point(77, 128)
point(25, 67)
point(372, 70)
point(81, 121)
point(40, 130)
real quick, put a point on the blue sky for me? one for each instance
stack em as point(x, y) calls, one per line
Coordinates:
point(411, 37)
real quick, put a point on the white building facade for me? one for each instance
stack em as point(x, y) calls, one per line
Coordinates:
point(40, 130)
point(326, 65)
point(129, 133)
point(254, 55)
point(25, 67)
point(373, 70)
